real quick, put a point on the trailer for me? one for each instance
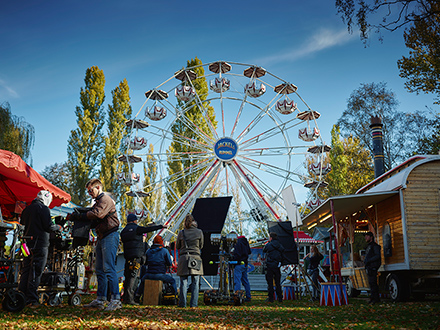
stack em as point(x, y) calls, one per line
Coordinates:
point(402, 208)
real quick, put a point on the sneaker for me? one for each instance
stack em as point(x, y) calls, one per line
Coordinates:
point(247, 299)
point(99, 304)
point(114, 305)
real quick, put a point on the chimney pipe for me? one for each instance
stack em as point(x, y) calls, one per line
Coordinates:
point(377, 135)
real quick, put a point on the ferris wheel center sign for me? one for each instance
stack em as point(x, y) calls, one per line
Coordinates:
point(225, 149)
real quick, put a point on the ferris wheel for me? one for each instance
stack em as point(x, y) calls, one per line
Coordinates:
point(222, 125)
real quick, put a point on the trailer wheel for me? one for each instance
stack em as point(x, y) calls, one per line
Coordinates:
point(55, 300)
point(74, 300)
point(351, 291)
point(14, 301)
point(398, 288)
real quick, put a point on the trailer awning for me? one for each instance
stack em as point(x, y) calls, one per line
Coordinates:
point(344, 206)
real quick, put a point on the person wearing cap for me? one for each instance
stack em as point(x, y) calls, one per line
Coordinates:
point(132, 237)
point(274, 255)
point(372, 262)
point(37, 227)
point(241, 253)
point(157, 260)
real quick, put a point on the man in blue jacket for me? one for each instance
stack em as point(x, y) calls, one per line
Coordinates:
point(132, 237)
point(158, 259)
point(241, 252)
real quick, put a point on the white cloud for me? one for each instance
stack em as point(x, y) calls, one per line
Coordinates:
point(9, 91)
point(321, 40)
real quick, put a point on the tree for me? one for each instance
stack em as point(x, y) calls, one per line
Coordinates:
point(379, 15)
point(422, 68)
point(85, 142)
point(351, 166)
point(191, 112)
point(431, 143)
point(351, 163)
point(402, 132)
point(118, 112)
point(58, 174)
point(16, 134)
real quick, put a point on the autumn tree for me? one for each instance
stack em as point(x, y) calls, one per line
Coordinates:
point(421, 68)
point(118, 112)
point(351, 165)
point(378, 15)
point(199, 113)
point(85, 144)
point(431, 143)
point(16, 135)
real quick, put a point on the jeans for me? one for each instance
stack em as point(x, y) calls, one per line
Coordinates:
point(274, 274)
point(241, 277)
point(106, 250)
point(161, 277)
point(30, 277)
point(314, 277)
point(372, 281)
point(195, 280)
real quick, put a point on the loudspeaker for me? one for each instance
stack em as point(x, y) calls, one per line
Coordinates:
point(284, 231)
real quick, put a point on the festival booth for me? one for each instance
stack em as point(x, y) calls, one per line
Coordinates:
point(20, 184)
point(401, 208)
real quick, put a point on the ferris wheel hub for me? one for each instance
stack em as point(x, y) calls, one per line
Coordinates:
point(225, 149)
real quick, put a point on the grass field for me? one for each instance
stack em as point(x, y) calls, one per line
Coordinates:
point(257, 314)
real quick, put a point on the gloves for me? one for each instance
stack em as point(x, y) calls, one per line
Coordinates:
point(75, 216)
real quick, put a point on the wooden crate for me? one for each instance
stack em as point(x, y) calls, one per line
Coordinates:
point(360, 280)
point(152, 292)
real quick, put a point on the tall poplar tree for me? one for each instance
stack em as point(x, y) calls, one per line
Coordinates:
point(85, 144)
point(118, 112)
point(194, 113)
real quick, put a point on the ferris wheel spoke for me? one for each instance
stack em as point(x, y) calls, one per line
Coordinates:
point(273, 151)
point(178, 113)
point(274, 170)
point(253, 188)
point(274, 131)
point(186, 202)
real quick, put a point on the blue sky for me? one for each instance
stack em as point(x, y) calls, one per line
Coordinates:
point(46, 47)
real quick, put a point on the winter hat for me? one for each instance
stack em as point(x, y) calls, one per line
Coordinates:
point(158, 240)
point(45, 197)
point(131, 217)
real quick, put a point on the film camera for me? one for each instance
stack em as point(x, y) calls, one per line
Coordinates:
point(225, 292)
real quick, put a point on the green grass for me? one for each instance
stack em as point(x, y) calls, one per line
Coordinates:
point(257, 314)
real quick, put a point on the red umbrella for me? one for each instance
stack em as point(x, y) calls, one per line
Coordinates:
point(21, 183)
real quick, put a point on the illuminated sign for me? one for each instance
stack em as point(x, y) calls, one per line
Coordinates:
point(225, 149)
